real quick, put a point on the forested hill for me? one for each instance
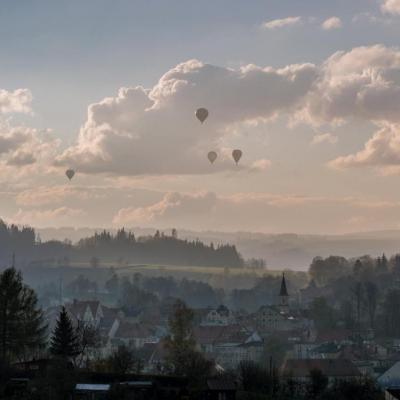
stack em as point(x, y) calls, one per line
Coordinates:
point(119, 249)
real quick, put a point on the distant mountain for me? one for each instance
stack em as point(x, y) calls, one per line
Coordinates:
point(294, 251)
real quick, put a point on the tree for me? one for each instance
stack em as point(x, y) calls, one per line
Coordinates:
point(396, 264)
point(325, 271)
point(322, 313)
point(274, 351)
point(253, 377)
point(384, 264)
point(112, 284)
point(371, 292)
point(180, 343)
point(358, 294)
point(318, 384)
point(94, 262)
point(65, 341)
point(358, 266)
point(124, 360)
point(183, 358)
point(22, 329)
point(391, 313)
point(88, 339)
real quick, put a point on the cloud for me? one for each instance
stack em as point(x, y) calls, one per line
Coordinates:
point(363, 83)
point(382, 150)
point(324, 138)
point(331, 23)
point(391, 7)
point(22, 146)
point(44, 195)
point(261, 165)
point(154, 131)
point(17, 101)
point(53, 217)
point(171, 206)
point(281, 23)
point(256, 211)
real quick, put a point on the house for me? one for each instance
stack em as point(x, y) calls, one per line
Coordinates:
point(220, 389)
point(91, 391)
point(392, 393)
point(391, 377)
point(88, 312)
point(220, 316)
point(329, 350)
point(334, 369)
point(229, 345)
point(133, 335)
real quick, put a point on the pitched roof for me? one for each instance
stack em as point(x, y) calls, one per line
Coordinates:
point(329, 367)
point(221, 334)
point(128, 330)
point(78, 307)
point(395, 392)
point(283, 292)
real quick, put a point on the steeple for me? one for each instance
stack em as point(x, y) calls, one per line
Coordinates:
point(283, 292)
point(284, 296)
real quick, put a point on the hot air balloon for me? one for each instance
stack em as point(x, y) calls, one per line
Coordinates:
point(202, 114)
point(70, 173)
point(212, 156)
point(237, 155)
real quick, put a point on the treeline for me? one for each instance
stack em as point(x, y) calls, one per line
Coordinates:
point(361, 293)
point(122, 248)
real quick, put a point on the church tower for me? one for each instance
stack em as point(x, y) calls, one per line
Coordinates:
point(284, 296)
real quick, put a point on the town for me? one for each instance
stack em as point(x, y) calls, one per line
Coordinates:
point(112, 331)
point(199, 200)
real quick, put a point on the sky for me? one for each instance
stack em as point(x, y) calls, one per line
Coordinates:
point(309, 91)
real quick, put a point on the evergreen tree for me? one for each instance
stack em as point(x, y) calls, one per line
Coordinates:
point(65, 342)
point(22, 329)
point(384, 263)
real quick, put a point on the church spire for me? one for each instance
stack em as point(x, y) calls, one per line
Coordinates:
point(283, 292)
point(284, 296)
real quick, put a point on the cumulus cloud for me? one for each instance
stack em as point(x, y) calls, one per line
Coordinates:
point(324, 138)
point(382, 150)
point(154, 131)
point(281, 23)
point(332, 23)
point(391, 7)
point(363, 83)
point(17, 101)
point(22, 146)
